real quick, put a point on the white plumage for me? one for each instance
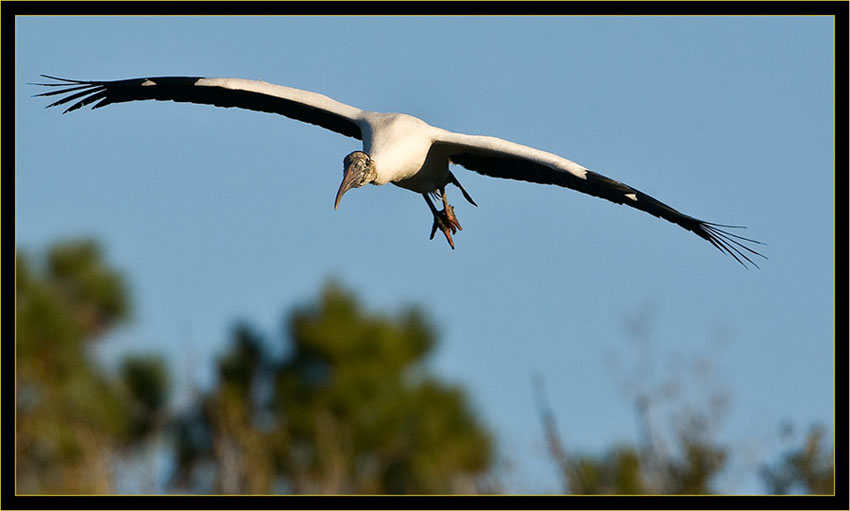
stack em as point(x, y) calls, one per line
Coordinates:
point(397, 148)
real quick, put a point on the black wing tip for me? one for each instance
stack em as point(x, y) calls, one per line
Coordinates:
point(68, 82)
point(58, 78)
point(731, 244)
point(85, 91)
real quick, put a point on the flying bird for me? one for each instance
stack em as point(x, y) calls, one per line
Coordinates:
point(397, 148)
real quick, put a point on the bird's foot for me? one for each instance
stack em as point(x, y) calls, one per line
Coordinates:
point(447, 222)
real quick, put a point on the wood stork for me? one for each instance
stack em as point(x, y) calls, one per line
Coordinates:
point(397, 148)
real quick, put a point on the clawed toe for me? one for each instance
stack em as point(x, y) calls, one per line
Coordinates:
point(444, 219)
point(449, 214)
point(445, 223)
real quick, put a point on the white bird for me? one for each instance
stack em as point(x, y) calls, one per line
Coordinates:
point(397, 148)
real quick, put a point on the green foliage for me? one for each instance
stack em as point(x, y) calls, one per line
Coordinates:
point(96, 294)
point(349, 409)
point(69, 415)
point(808, 468)
point(146, 380)
point(691, 463)
point(619, 471)
point(692, 474)
point(626, 470)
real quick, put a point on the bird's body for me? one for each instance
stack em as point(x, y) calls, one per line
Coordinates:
point(397, 148)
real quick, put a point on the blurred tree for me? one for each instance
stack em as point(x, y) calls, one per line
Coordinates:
point(146, 381)
point(70, 416)
point(650, 467)
point(807, 469)
point(349, 409)
point(628, 470)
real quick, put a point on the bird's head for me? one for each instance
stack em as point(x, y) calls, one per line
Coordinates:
point(359, 170)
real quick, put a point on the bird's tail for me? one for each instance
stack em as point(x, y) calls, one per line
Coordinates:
point(453, 180)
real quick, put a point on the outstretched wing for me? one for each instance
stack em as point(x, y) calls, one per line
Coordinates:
point(495, 157)
point(224, 92)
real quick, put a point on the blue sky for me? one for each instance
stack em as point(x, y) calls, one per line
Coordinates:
point(219, 215)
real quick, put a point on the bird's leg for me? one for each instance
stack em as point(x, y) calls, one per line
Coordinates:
point(449, 211)
point(443, 220)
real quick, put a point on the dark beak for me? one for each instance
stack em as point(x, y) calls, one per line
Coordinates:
point(348, 180)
